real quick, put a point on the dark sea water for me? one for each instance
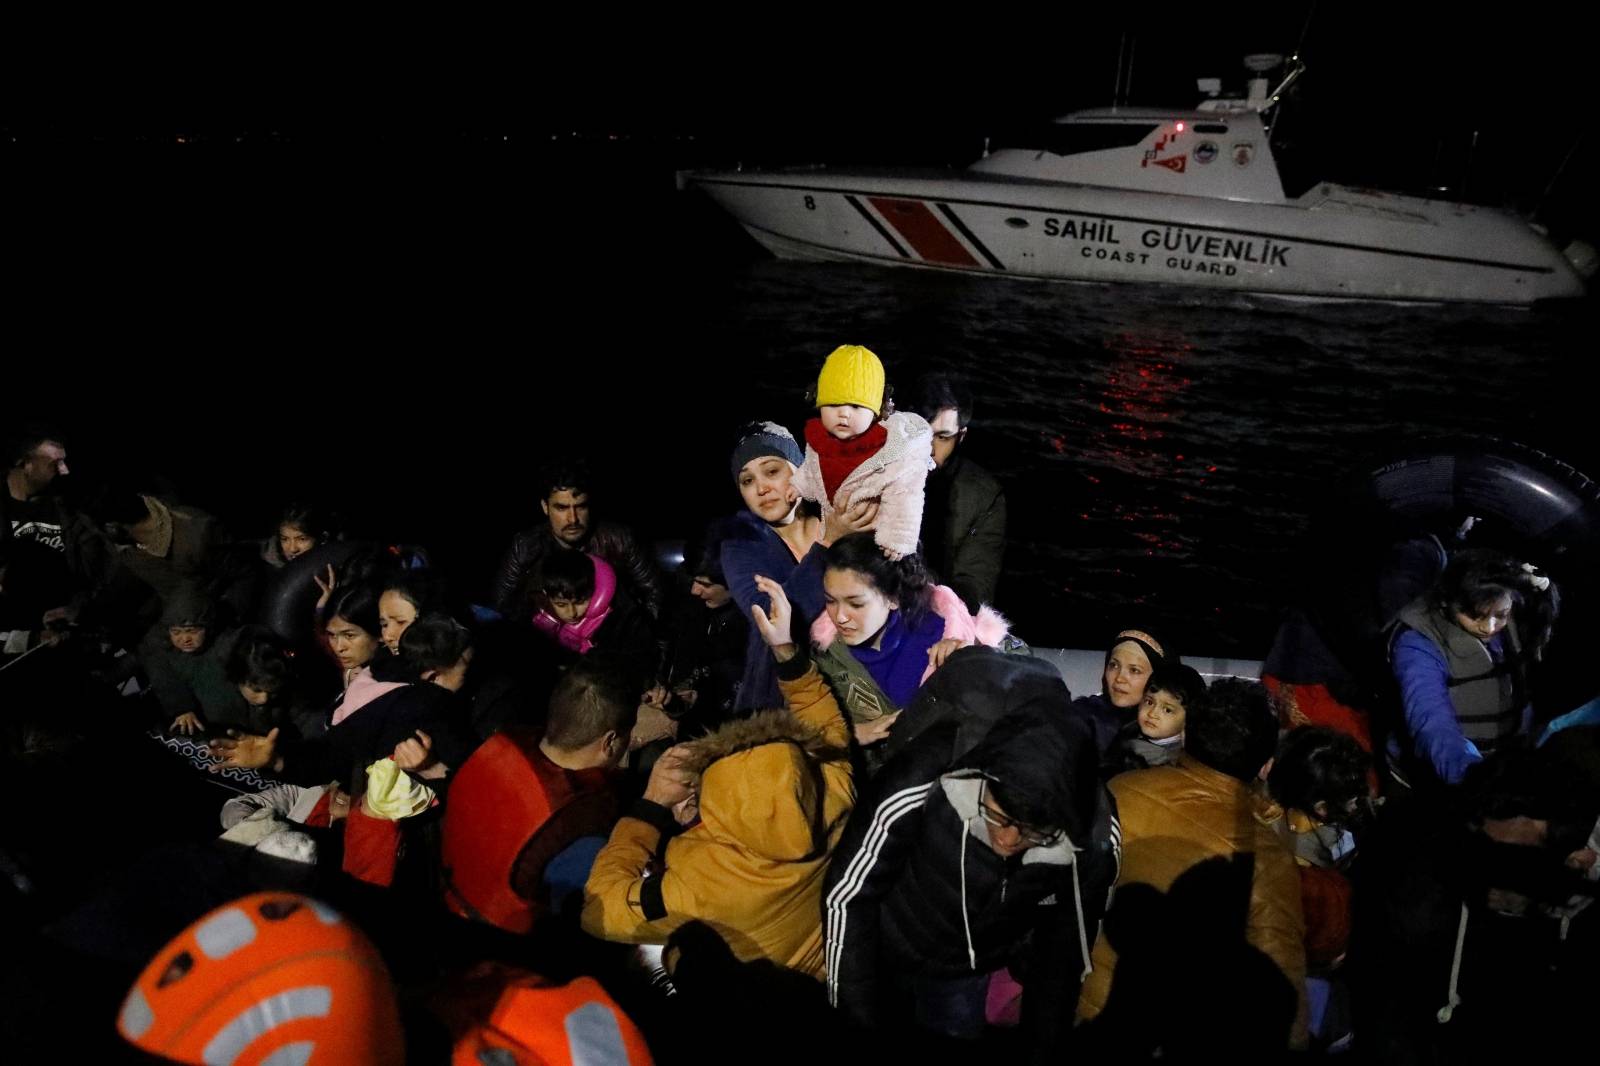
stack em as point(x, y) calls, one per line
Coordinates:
point(1163, 448)
point(413, 343)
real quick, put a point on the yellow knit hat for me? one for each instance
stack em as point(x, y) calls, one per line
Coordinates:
point(852, 375)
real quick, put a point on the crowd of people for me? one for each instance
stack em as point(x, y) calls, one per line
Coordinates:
point(806, 794)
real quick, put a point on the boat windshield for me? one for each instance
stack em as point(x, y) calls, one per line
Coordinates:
point(1298, 167)
point(1073, 138)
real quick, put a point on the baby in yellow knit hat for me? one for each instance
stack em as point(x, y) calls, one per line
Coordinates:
point(858, 450)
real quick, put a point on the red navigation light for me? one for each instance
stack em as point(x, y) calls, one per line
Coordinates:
point(1180, 127)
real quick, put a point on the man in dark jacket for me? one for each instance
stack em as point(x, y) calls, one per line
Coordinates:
point(709, 636)
point(52, 551)
point(1208, 902)
point(964, 517)
point(961, 862)
point(160, 549)
point(568, 526)
point(1470, 911)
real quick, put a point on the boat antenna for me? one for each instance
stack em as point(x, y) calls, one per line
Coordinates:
point(1550, 186)
point(1305, 29)
point(1296, 67)
point(1119, 93)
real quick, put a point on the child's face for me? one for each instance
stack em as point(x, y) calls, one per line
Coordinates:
point(294, 542)
point(1160, 716)
point(187, 639)
point(569, 612)
point(709, 592)
point(845, 420)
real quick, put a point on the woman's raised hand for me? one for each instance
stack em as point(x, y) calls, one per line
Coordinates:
point(777, 625)
point(326, 587)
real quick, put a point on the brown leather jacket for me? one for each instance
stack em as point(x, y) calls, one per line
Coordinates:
point(1177, 817)
point(613, 543)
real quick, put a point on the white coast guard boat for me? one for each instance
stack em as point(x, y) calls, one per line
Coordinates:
point(1135, 194)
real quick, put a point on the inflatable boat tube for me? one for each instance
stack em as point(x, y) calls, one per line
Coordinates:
point(289, 603)
point(1542, 506)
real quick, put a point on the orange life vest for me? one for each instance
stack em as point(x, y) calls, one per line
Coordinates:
point(511, 811)
point(501, 1014)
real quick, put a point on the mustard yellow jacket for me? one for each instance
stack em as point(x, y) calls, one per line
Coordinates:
point(775, 792)
point(1175, 817)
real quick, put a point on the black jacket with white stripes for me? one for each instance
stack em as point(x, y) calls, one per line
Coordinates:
point(914, 889)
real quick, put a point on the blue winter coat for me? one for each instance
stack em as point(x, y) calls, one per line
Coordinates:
point(752, 547)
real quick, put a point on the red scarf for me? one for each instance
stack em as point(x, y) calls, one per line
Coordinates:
point(839, 457)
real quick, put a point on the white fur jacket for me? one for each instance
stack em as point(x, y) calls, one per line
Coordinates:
point(895, 475)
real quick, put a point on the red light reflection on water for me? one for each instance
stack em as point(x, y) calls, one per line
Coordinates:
point(1138, 396)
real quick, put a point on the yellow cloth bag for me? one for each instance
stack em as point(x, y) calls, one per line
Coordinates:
point(392, 794)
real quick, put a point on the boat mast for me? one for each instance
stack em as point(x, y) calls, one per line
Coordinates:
point(1267, 102)
point(1124, 84)
point(1296, 68)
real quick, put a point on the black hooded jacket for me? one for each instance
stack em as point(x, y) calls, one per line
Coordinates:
point(373, 732)
point(975, 688)
point(912, 890)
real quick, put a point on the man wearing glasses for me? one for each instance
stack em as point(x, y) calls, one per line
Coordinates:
point(964, 515)
point(961, 876)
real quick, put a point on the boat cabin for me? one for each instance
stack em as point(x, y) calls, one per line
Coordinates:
point(1219, 154)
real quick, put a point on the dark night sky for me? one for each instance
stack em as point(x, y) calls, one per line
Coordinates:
point(361, 208)
point(1393, 99)
point(695, 70)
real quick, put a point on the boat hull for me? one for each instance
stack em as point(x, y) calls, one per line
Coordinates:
point(1083, 669)
point(1332, 243)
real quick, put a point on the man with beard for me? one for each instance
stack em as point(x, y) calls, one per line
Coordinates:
point(43, 546)
point(570, 526)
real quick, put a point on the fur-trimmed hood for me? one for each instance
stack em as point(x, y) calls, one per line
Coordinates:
point(760, 785)
point(764, 727)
